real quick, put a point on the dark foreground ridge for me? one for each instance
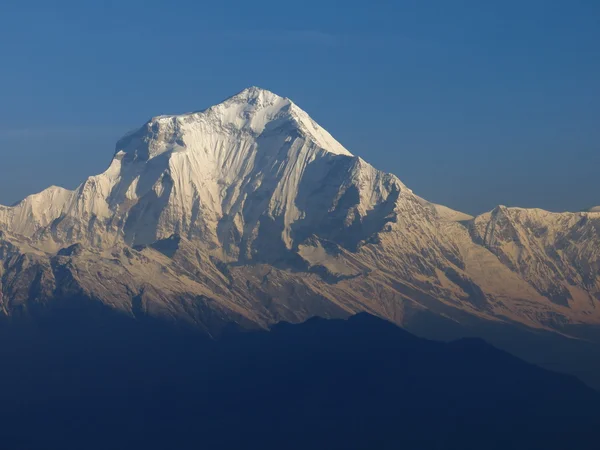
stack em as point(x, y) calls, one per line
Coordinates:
point(107, 382)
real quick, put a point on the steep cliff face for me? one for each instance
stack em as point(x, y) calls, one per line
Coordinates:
point(251, 213)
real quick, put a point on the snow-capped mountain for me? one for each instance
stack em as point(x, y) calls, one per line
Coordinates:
point(250, 213)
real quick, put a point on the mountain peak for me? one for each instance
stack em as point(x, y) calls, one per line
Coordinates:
point(253, 112)
point(255, 94)
point(256, 108)
point(237, 110)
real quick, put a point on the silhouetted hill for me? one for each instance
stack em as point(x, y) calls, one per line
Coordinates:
point(101, 381)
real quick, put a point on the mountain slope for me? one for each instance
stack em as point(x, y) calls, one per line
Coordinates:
point(323, 384)
point(251, 213)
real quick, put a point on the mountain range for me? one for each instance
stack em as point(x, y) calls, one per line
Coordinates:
point(111, 381)
point(249, 213)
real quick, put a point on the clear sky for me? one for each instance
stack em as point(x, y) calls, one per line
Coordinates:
point(471, 103)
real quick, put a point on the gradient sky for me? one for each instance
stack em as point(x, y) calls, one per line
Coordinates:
point(472, 104)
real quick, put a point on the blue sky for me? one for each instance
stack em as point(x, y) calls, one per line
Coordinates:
point(472, 104)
